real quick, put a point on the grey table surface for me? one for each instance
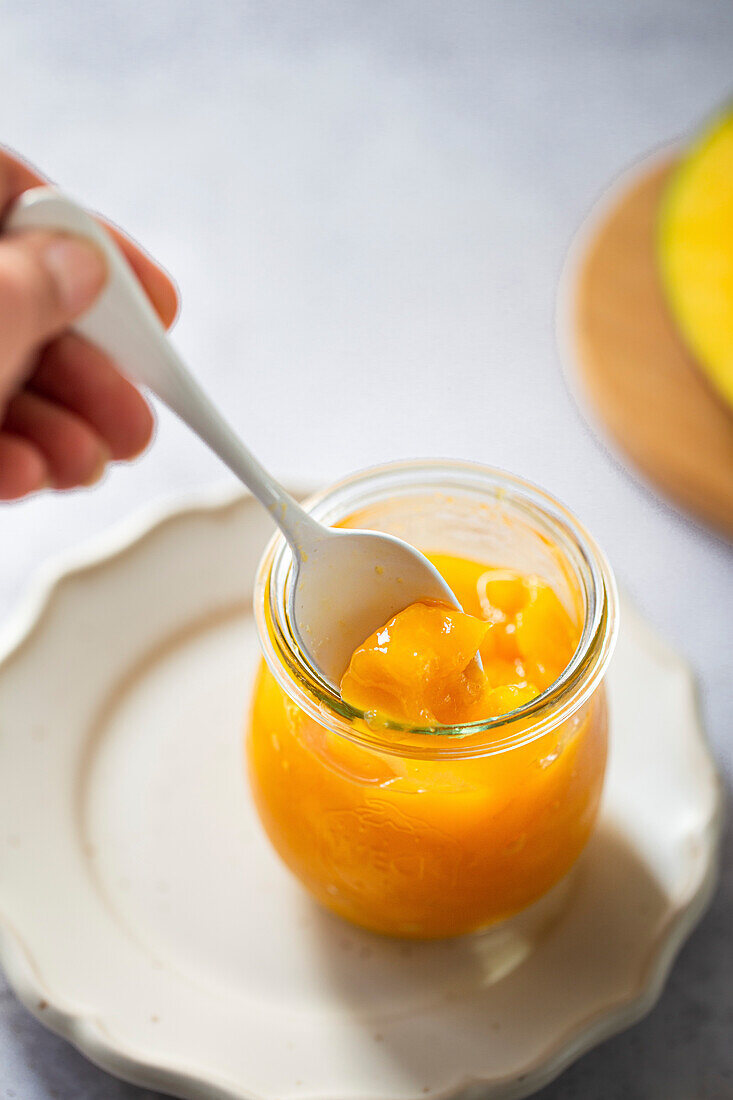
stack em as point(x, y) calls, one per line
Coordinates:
point(366, 207)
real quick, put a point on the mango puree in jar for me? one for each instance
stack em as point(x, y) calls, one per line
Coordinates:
point(454, 837)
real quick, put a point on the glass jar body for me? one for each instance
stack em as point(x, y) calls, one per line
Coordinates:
point(433, 833)
point(424, 848)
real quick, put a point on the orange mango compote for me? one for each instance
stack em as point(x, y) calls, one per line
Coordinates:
point(434, 844)
point(420, 668)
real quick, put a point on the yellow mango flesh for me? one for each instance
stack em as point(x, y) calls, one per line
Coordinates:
point(696, 251)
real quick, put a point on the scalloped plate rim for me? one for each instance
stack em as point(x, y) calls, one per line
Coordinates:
point(86, 1032)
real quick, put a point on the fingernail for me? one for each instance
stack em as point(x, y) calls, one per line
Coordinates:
point(78, 271)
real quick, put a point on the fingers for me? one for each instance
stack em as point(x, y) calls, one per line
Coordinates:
point(74, 453)
point(16, 177)
point(23, 469)
point(45, 281)
point(77, 411)
point(158, 286)
point(76, 414)
point(77, 376)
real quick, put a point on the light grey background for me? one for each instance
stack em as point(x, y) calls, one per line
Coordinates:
point(366, 207)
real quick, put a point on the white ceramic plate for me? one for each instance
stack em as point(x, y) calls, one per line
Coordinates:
point(144, 917)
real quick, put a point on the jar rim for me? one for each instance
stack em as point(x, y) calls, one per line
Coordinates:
point(557, 703)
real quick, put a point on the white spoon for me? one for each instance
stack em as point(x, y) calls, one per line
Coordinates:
point(344, 584)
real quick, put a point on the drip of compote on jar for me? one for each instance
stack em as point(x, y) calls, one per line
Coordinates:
point(420, 668)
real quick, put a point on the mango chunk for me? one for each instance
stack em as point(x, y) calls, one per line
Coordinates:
point(508, 697)
point(501, 590)
point(416, 668)
point(544, 635)
point(421, 668)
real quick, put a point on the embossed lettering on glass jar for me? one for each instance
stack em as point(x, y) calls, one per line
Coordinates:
point(436, 832)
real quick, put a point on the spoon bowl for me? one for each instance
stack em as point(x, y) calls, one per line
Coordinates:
point(349, 583)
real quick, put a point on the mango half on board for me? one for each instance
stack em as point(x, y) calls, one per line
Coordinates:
point(696, 251)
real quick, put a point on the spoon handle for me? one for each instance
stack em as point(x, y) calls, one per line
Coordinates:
point(123, 323)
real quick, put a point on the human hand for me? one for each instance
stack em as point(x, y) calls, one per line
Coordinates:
point(65, 410)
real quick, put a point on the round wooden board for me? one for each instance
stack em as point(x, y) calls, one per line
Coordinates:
point(641, 382)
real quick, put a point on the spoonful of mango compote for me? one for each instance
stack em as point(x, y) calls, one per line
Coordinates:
point(419, 668)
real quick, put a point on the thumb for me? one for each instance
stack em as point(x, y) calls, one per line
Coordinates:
point(46, 280)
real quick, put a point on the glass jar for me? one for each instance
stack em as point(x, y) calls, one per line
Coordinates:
point(435, 832)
